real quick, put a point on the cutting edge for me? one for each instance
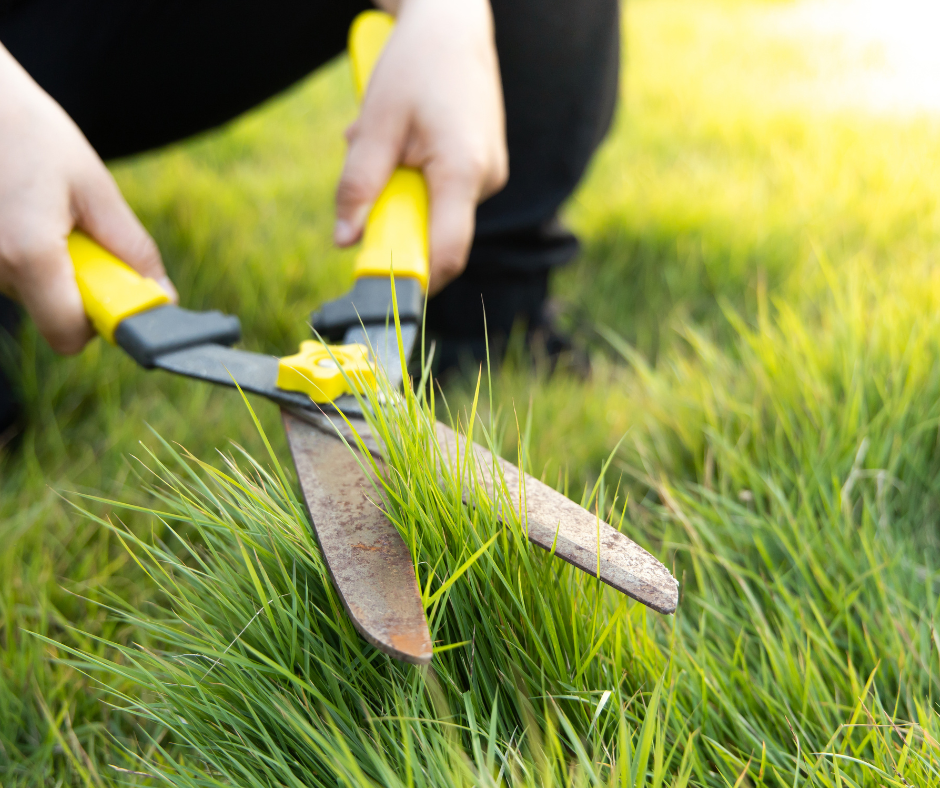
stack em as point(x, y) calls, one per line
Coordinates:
point(552, 521)
point(369, 562)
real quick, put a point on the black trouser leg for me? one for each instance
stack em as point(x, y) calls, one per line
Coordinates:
point(559, 61)
point(9, 404)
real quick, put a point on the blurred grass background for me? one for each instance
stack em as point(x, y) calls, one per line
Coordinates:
point(763, 265)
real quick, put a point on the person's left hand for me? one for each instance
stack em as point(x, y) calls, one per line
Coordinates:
point(434, 102)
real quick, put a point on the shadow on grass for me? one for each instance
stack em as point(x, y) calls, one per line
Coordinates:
point(640, 282)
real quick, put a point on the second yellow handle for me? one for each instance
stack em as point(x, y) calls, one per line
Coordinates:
point(396, 233)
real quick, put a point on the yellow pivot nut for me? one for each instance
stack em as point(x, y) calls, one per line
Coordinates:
point(317, 373)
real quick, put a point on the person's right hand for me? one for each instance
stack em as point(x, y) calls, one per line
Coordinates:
point(435, 102)
point(51, 181)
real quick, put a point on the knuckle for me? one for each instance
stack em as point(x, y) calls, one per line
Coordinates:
point(479, 160)
point(353, 130)
point(66, 344)
point(26, 251)
point(97, 176)
point(15, 257)
point(450, 267)
point(147, 254)
point(94, 185)
point(499, 175)
point(480, 164)
point(353, 190)
point(66, 330)
point(469, 167)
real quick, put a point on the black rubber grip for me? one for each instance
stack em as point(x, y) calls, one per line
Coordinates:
point(156, 332)
point(369, 302)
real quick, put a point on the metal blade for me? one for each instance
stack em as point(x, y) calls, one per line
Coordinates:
point(559, 525)
point(553, 522)
point(383, 342)
point(367, 558)
point(255, 373)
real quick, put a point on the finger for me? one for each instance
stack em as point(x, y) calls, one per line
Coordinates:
point(498, 172)
point(48, 291)
point(453, 200)
point(375, 149)
point(101, 211)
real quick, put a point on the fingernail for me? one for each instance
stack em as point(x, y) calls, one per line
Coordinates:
point(168, 288)
point(343, 233)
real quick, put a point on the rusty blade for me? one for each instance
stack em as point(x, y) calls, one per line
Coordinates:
point(554, 522)
point(367, 558)
point(574, 534)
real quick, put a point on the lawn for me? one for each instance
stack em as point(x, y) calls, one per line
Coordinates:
point(760, 295)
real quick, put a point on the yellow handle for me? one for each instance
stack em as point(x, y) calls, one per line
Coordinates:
point(111, 290)
point(367, 36)
point(396, 232)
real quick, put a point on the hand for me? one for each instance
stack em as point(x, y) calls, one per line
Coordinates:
point(52, 181)
point(434, 102)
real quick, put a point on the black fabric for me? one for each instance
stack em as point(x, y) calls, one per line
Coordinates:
point(8, 6)
point(491, 302)
point(137, 75)
point(559, 61)
point(9, 404)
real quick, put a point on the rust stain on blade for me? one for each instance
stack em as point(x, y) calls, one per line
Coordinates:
point(367, 558)
point(582, 540)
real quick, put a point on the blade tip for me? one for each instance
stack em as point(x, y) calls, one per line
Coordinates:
point(413, 647)
point(663, 597)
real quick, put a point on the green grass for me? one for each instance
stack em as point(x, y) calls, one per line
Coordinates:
point(760, 291)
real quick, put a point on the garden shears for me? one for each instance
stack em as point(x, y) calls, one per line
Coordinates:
point(316, 389)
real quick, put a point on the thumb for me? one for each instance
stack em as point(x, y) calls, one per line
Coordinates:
point(374, 151)
point(101, 211)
